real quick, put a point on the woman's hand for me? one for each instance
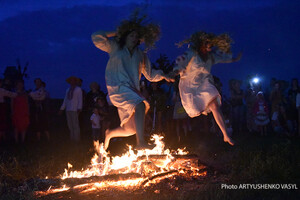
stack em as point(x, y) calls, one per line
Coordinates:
point(239, 56)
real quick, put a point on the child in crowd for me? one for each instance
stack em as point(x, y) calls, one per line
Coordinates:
point(96, 128)
point(103, 110)
point(261, 113)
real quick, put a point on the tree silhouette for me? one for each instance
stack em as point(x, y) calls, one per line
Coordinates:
point(164, 64)
point(14, 73)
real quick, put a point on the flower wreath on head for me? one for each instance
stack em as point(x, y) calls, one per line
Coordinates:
point(148, 33)
point(200, 38)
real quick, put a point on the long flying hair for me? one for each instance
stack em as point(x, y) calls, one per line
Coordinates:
point(199, 39)
point(147, 32)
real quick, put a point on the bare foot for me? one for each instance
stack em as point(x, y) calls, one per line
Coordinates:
point(229, 140)
point(106, 140)
point(144, 146)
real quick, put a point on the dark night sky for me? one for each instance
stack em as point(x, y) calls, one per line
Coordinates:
point(54, 36)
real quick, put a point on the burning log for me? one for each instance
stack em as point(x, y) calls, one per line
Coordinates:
point(149, 166)
point(111, 177)
point(178, 161)
point(127, 170)
point(160, 175)
point(44, 184)
point(154, 157)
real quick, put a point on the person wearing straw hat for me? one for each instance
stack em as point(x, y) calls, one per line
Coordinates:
point(196, 86)
point(73, 105)
point(123, 72)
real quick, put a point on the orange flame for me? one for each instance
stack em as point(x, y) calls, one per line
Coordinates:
point(129, 162)
point(101, 164)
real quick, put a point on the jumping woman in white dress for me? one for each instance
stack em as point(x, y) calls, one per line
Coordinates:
point(123, 72)
point(196, 86)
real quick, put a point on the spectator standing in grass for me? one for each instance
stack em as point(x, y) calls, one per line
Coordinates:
point(96, 128)
point(20, 112)
point(276, 97)
point(292, 109)
point(250, 100)
point(72, 104)
point(39, 111)
point(237, 97)
point(261, 113)
point(105, 117)
point(4, 109)
point(92, 96)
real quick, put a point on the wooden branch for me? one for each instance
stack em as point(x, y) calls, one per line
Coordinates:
point(159, 176)
point(44, 184)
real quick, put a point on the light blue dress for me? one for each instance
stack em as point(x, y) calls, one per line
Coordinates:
point(123, 73)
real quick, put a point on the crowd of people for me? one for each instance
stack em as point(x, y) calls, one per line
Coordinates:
point(272, 112)
point(21, 109)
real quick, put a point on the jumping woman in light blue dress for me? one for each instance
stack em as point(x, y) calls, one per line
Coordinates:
point(123, 72)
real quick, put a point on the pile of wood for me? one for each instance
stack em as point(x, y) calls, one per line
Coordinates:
point(151, 170)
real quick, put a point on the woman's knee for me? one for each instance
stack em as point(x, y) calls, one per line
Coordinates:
point(214, 105)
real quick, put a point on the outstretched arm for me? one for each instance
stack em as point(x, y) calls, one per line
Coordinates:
point(239, 56)
point(107, 34)
point(101, 41)
point(152, 74)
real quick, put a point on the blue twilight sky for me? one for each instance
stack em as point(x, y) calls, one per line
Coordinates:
point(54, 36)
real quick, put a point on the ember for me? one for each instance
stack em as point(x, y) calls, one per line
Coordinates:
point(134, 169)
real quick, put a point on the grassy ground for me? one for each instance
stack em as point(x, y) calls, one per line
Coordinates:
point(254, 160)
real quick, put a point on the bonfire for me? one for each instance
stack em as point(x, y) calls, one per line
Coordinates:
point(133, 169)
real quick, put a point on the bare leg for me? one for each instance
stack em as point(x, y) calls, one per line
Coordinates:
point(218, 115)
point(134, 125)
point(139, 120)
point(117, 132)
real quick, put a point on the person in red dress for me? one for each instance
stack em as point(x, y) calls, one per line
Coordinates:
point(20, 112)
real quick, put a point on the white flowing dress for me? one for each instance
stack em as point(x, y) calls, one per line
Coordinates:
point(196, 84)
point(122, 75)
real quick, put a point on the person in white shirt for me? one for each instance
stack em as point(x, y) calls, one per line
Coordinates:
point(196, 86)
point(72, 104)
point(123, 72)
point(96, 128)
